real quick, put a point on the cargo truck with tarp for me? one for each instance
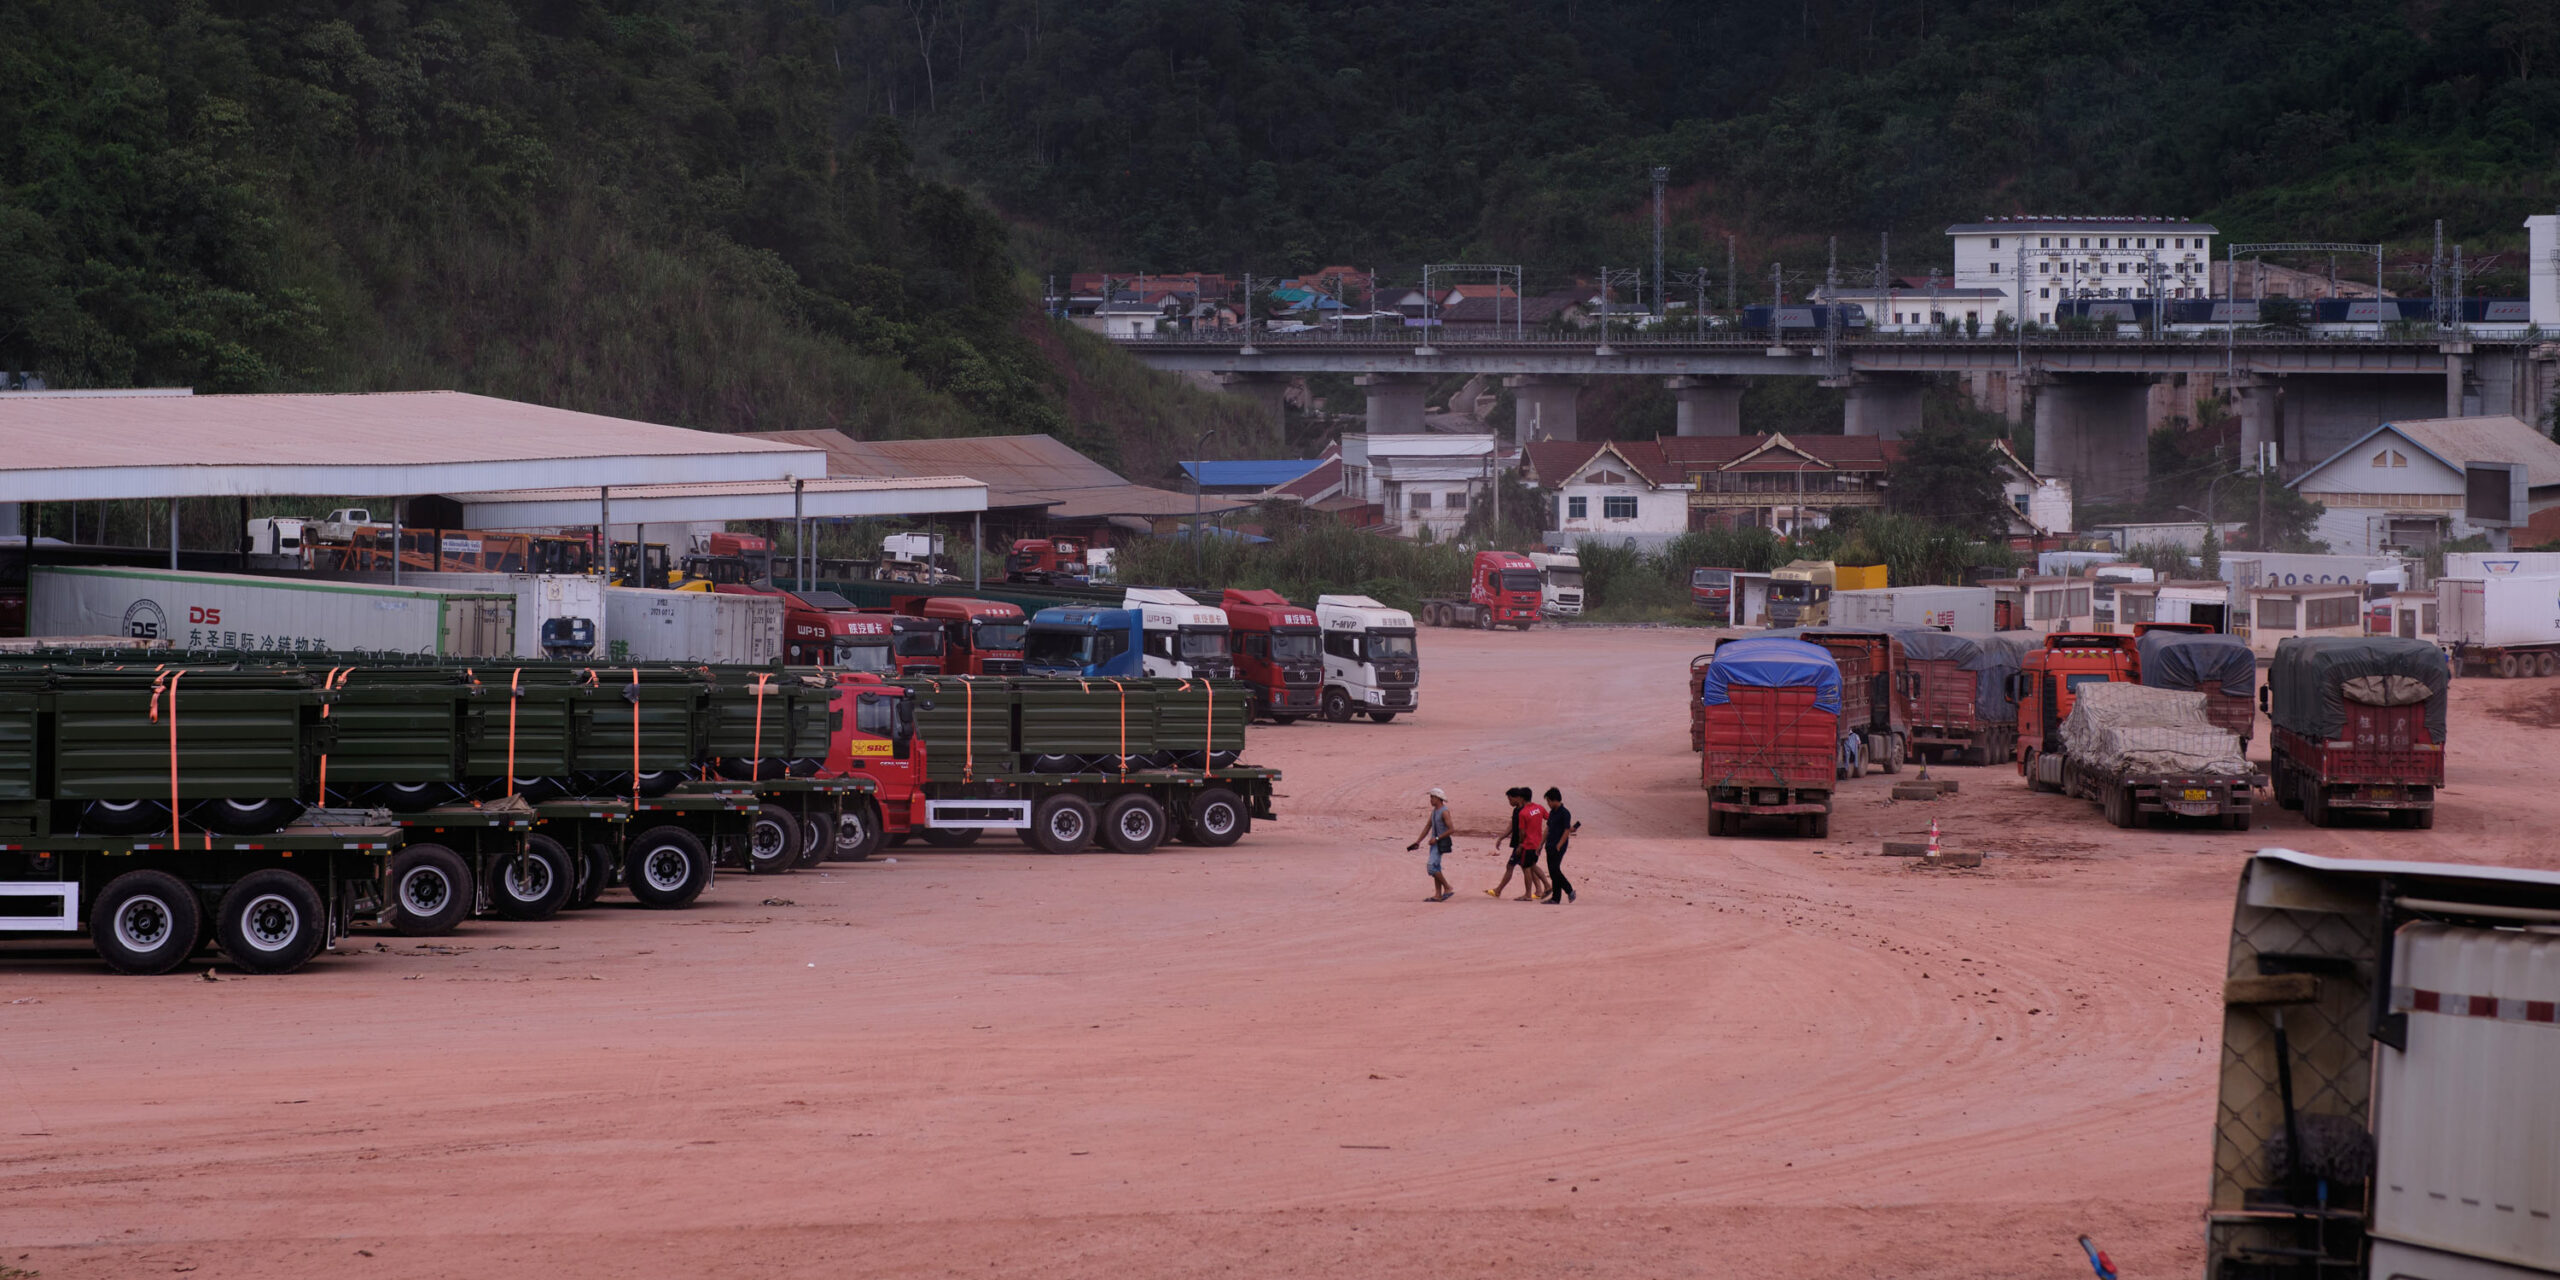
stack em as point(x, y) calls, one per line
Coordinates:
point(1770, 720)
point(2357, 724)
point(1063, 763)
point(2385, 1108)
point(2222, 668)
point(1955, 695)
point(2150, 755)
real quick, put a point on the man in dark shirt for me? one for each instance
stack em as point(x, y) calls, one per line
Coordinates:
point(1560, 829)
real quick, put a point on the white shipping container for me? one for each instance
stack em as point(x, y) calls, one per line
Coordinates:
point(2290, 569)
point(692, 626)
point(1961, 609)
point(540, 598)
point(2501, 564)
point(2466, 1120)
point(2498, 612)
point(285, 615)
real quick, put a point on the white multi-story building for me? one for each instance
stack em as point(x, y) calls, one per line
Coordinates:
point(1425, 481)
point(2085, 258)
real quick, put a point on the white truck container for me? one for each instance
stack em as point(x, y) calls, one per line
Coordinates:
point(1559, 583)
point(1185, 638)
point(269, 615)
point(1964, 609)
point(2509, 626)
point(2286, 569)
point(691, 626)
point(2501, 564)
point(1372, 662)
point(558, 615)
point(911, 546)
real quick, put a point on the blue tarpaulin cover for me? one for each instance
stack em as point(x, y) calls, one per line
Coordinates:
point(1764, 663)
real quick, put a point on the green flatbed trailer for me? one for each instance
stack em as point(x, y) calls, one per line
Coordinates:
point(270, 902)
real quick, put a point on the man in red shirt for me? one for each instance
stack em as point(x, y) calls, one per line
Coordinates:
point(1527, 836)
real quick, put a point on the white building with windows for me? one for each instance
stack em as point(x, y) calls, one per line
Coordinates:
point(2082, 258)
point(1423, 481)
point(1613, 490)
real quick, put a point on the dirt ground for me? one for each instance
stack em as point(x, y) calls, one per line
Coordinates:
point(1755, 1057)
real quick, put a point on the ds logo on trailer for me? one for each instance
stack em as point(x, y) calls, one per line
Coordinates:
point(144, 621)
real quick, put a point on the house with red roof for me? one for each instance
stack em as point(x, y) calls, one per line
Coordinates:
point(1774, 481)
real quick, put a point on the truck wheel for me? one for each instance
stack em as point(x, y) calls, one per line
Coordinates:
point(815, 829)
point(773, 840)
point(246, 817)
point(666, 866)
point(2426, 819)
point(1133, 823)
point(1818, 826)
point(531, 790)
point(2315, 806)
point(857, 833)
point(430, 891)
point(1337, 708)
point(2507, 665)
point(1484, 618)
point(658, 782)
point(1286, 720)
point(534, 883)
point(124, 817)
point(144, 922)
point(2546, 664)
point(1217, 818)
point(413, 797)
point(1062, 824)
point(595, 872)
point(952, 837)
point(2235, 821)
point(270, 922)
point(1381, 717)
point(1886, 752)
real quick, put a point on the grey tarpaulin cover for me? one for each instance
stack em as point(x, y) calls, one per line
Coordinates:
point(1992, 659)
point(2315, 676)
point(2136, 729)
point(2187, 660)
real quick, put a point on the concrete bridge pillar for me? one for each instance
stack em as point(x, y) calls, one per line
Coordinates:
point(1270, 390)
point(2090, 429)
point(2461, 399)
point(1885, 407)
point(1707, 406)
point(2261, 398)
point(1545, 405)
point(1395, 402)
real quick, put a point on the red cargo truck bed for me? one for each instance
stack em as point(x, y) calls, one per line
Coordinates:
point(1769, 752)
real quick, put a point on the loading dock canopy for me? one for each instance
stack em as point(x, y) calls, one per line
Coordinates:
point(843, 496)
point(63, 448)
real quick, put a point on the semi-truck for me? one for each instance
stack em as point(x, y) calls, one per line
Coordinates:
point(1560, 583)
point(1956, 695)
point(1503, 590)
point(2221, 667)
point(1372, 659)
point(1279, 653)
point(1871, 672)
point(2149, 755)
point(269, 615)
point(2386, 1058)
point(1711, 594)
point(1183, 638)
point(1772, 734)
point(644, 625)
point(980, 637)
point(1800, 593)
point(1046, 560)
point(1083, 641)
point(1065, 764)
point(2506, 625)
point(2356, 724)
point(2048, 681)
point(823, 629)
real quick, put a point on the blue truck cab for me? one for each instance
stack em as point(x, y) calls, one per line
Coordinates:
point(1072, 641)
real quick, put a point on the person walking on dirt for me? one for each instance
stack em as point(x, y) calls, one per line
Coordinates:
point(1525, 836)
point(1560, 829)
point(1436, 830)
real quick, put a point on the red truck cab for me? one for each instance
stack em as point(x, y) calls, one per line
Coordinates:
point(2048, 680)
point(1711, 594)
point(1279, 651)
point(823, 629)
point(979, 637)
point(1046, 560)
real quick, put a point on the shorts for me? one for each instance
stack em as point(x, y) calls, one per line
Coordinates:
point(1436, 850)
point(1525, 859)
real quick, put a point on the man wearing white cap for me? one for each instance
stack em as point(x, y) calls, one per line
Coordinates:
point(1436, 830)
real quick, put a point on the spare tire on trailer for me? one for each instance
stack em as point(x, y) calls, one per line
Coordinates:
point(145, 922)
point(124, 817)
point(666, 866)
point(245, 817)
point(534, 882)
point(271, 921)
point(1216, 817)
point(431, 891)
point(1062, 823)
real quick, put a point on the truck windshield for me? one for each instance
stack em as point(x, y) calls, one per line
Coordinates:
point(1520, 580)
point(1203, 644)
point(1300, 647)
point(1795, 591)
point(2073, 682)
point(1058, 648)
point(1569, 579)
point(919, 642)
point(866, 653)
point(1000, 635)
point(1391, 646)
point(1710, 578)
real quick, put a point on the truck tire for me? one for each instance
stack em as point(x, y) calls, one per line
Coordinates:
point(2506, 666)
point(1818, 826)
point(1286, 720)
point(2235, 821)
point(145, 922)
point(270, 922)
point(1381, 717)
point(658, 782)
point(431, 891)
point(595, 872)
point(533, 883)
point(1885, 752)
point(816, 837)
point(666, 866)
point(1337, 708)
point(413, 797)
point(2546, 664)
point(124, 817)
point(2315, 806)
point(857, 833)
point(1133, 823)
point(1484, 618)
point(1217, 818)
point(2426, 819)
point(1062, 824)
point(773, 840)
point(951, 837)
point(245, 817)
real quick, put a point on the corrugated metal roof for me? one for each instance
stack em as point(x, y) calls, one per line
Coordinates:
point(66, 447)
point(1019, 471)
point(836, 497)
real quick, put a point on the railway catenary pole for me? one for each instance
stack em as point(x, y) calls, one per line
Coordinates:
point(1731, 280)
point(1661, 175)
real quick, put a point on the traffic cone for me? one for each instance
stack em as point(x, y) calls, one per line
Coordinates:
point(1933, 837)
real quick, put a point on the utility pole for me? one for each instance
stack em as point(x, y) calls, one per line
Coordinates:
point(2455, 316)
point(1661, 175)
point(2435, 276)
point(1730, 279)
point(2265, 462)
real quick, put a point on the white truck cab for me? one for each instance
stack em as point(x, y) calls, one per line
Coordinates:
point(280, 538)
point(1371, 662)
point(1560, 583)
point(1185, 639)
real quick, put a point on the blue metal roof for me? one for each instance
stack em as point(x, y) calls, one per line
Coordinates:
point(1257, 473)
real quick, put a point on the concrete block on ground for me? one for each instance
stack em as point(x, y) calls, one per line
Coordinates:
point(1906, 848)
point(1948, 858)
point(1916, 791)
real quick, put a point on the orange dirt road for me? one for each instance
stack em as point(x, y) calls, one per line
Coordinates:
point(1753, 1057)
